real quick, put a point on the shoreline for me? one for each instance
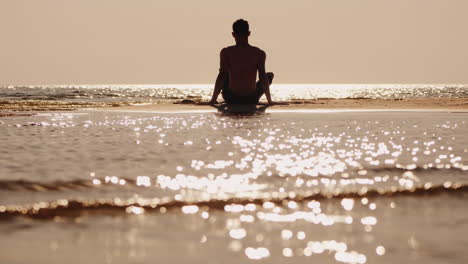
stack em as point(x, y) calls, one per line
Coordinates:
point(29, 107)
point(423, 104)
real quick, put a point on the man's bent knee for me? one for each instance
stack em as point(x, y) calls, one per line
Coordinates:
point(270, 76)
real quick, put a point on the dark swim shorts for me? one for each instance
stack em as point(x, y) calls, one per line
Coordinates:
point(232, 98)
point(253, 98)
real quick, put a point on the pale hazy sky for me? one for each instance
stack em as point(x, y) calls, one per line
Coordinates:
point(173, 41)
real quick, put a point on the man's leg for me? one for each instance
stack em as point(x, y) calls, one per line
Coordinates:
point(227, 95)
point(259, 92)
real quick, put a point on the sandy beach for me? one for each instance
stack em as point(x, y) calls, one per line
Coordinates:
point(442, 104)
point(435, 104)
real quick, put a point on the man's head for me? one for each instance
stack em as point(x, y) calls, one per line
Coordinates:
point(240, 29)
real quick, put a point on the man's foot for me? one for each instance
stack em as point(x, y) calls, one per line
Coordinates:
point(212, 102)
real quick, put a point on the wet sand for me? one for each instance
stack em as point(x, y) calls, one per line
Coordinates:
point(12, 107)
point(449, 104)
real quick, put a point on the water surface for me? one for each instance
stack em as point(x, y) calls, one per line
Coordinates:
point(351, 187)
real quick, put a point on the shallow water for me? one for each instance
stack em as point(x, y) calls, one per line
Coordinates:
point(352, 187)
point(282, 92)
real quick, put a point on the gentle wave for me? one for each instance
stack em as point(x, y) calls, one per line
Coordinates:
point(75, 208)
point(97, 182)
point(52, 105)
point(81, 184)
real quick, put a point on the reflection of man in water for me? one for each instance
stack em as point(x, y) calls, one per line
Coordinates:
point(238, 70)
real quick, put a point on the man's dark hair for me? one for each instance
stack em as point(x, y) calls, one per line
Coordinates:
point(240, 27)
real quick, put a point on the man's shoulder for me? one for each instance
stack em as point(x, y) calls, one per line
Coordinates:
point(259, 50)
point(228, 48)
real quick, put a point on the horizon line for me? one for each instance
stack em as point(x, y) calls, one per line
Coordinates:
point(207, 84)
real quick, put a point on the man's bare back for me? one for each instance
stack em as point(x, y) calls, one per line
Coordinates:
point(239, 65)
point(241, 62)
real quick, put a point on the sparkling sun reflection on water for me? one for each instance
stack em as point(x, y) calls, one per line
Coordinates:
point(284, 92)
point(341, 187)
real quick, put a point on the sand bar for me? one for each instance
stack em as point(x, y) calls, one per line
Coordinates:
point(439, 104)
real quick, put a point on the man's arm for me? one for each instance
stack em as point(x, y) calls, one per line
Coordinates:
point(222, 76)
point(264, 78)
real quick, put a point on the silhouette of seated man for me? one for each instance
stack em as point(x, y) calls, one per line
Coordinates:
point(239, 65)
